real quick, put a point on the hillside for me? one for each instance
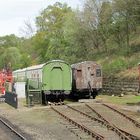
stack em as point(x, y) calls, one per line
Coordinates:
point(120, 63)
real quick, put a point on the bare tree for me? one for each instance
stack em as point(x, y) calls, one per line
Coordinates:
point(28, 30)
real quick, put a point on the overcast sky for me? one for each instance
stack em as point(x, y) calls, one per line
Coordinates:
point(13, 13)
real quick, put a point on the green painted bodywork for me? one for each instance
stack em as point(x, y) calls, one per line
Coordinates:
point(56, 75)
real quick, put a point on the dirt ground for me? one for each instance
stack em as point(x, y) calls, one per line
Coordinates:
point(42, 123)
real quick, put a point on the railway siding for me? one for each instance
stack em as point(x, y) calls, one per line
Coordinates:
point(89, 125)
point(137, 124)
point(104, 122)
point(118, 120)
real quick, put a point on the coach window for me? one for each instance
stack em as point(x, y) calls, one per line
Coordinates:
point(98, 72)
point(79, 73)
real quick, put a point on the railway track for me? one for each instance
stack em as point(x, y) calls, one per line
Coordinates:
point(94, 127)
point(10, 131)
point(137, 124)
point(121, 121)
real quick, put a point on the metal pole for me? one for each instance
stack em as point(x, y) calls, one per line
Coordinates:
point(139, 77)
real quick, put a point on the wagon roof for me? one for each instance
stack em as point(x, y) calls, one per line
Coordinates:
point(84, 62)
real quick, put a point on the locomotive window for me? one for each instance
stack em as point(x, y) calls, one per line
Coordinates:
point(98, 72)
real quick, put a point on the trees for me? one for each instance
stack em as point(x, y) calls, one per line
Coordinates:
point(125, 17)
point(63, 33)
point(90, 19)
point(11, 56)
point(109, 21)
point(13, 52)
point(95, 21)
point(105, 23)
point(50, 30)
point(100, 27)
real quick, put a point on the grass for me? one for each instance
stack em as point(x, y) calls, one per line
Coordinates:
point(67, 101)
point(125, 100)
point(116, 65)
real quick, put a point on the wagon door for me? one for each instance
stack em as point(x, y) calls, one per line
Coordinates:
point(79, 78)
point(56, 78)
point(90, 76)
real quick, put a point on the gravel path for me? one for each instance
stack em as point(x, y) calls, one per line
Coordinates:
point(40, 124)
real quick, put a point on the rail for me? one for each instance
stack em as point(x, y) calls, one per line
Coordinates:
point(137, 124)
point(87, 130)
point(104, 122)
point(13, 130)
point(131, 136)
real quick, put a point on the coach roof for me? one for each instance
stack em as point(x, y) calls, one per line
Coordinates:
point(40, 66)
point(76, 64)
